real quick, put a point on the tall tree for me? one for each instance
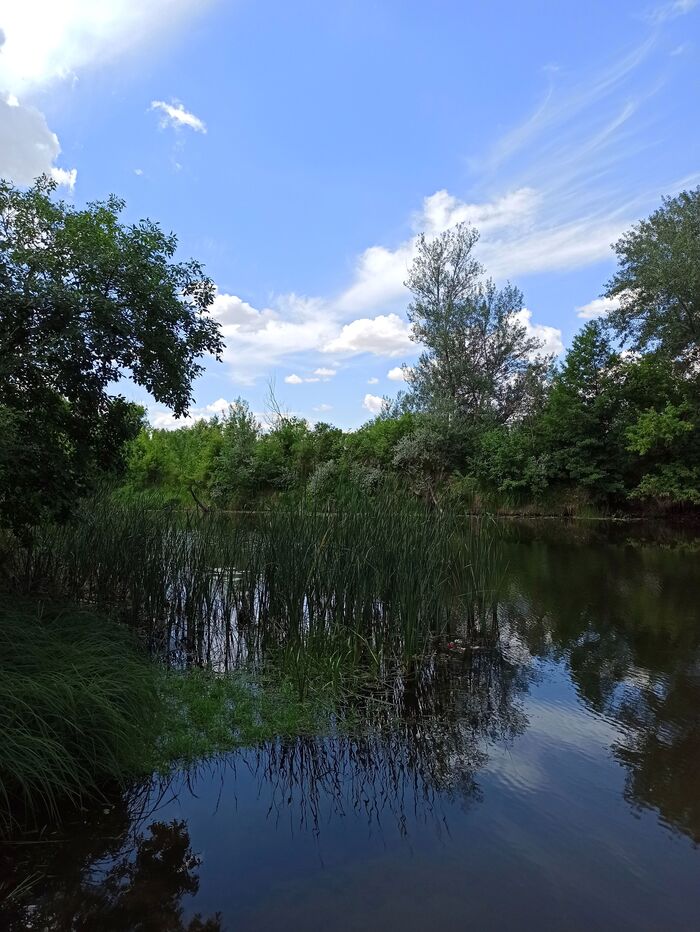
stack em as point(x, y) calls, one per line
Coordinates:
point(658, 282)
point(582, 425)
point(85, 300)
point(479, 359)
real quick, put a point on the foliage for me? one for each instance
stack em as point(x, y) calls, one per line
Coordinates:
point(85, 300)
point(657, 282)
point(479, 360)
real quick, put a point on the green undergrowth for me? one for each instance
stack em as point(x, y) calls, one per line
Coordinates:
point(83, 709)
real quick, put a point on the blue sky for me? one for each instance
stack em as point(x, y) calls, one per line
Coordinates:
point(297, 149)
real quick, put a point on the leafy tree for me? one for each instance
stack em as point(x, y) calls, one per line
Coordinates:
point(658, 282)
point(234, 472)
point(580, 426)
point(85, 300)
point(668, 442)
point(479, 360)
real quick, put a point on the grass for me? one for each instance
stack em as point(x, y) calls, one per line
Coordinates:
point(79, 706)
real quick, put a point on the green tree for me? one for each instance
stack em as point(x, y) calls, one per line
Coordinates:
point(657, 282)
point(581, 426)
point(479, 360)
point(84, 301)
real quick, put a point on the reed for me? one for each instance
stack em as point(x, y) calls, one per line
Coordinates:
point(373, 581)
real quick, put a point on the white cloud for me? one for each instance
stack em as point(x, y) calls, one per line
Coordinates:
point(672, 10)
point(325, 373)
point(599, 307)
point(28, 148)
point(65, 177)
point(550, 337)
point(372, 381)
point(174, 114)
point(293, 379)
point(385, 335)
point(373, 403)
point(42, 43)
point(138, 171)
point(323, 407)
point(51, 41)
point(397, 374)
point(166, 420)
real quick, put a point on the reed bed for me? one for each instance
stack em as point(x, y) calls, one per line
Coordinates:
point(374, 580)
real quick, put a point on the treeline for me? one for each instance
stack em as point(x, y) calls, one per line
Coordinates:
point(487, 420)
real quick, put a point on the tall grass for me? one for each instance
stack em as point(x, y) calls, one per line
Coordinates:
point(373, 580)
point(79, 709)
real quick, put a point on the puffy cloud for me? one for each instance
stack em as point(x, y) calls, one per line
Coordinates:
point(166, 420)
point(373, 403)
point(325, 373)
point(599, 307)
point(443, 210)
point(397, 374)
point(28, 148)
point(65, 177)
point(175, 115)
point(550, 337)
point(385, 335)
point(293, 379)
point(46, 42)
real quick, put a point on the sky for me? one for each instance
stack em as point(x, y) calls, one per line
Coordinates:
point(298, 149)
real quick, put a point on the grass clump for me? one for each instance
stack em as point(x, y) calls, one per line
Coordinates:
point(79, 710)
point(208, 713)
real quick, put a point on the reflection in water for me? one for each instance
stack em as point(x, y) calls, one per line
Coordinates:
point(601, 631)
point(426, 749)
point(135, 880)
point(625, 619)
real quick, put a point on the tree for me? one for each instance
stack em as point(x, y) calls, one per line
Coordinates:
point(85, 300)
point(581, 424)
point(479, 360)
point(234, 471)
point(657, 283)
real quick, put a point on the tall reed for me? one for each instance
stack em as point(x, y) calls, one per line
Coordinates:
point(375, 579)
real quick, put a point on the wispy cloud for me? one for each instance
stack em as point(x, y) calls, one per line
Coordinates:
point(175, 115)
point(672, 10)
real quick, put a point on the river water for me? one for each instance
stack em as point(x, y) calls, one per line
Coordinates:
point(551, 784)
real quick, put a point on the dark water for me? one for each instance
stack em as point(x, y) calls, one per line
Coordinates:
point(552, 784)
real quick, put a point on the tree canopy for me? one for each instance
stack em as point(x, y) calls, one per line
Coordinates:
point(86, 300)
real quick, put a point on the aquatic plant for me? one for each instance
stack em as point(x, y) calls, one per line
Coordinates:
point(370, 581)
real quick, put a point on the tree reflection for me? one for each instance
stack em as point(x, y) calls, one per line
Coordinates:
point(625, 618)
point(134, 883)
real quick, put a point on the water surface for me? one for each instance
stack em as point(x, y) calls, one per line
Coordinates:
point(550, 784)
